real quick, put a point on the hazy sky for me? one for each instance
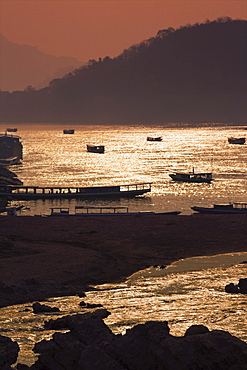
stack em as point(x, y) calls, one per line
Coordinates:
point(91, 29)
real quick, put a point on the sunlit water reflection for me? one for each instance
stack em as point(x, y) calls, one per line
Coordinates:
point(188, 292)
point(52, 158)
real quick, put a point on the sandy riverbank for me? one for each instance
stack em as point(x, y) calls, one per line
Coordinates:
point(45, 256)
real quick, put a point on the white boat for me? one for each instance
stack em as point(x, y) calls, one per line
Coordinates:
point(96, 148)
point(68, 131)
point(198, 177)
point(101, 211)
point(159, 138)
point(232, 208)
point(235, 140)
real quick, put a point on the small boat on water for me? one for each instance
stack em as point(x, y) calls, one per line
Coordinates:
point(159, 138)
point(96, 148)
point(10, 149)
point(102, 211)
point(234, 140)
point(22, 192)
point(11, 129)
point(199, 177)
point(68, 131)
point(9, 161)
point(232, 208)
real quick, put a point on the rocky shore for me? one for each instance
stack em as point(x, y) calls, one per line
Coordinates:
point(42, 257)
point(89, 344)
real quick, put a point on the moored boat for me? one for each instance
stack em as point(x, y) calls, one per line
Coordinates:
point(96, 148)
point(101, 211)
point(235, 140)
point(68, 131)
point(68, 192)
point(10, 147)
point(198, 177)
point(159, 138)
point(232, 208)
point(11, 129)
point(9, 161)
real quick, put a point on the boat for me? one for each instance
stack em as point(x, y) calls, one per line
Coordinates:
point(199, 177)
point(159, 138)
point(231, 208)
point(96, 148)
point(11, 129)
point(22, 192)
point(10, 147)
point(101, 211)
point(234, 140)
point(68, 131)
point(11, 210)
point(9, 161)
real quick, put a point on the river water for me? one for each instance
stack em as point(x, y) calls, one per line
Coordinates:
point(52, 158)
point(190, 291)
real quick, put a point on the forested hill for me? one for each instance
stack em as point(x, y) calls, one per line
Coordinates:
point(192, 74)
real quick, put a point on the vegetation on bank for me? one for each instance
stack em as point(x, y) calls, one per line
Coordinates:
point(196, 73)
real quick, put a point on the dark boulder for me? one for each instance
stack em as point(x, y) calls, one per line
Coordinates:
point(196, 329)
point(242, 284)
point(41, 308)
point(232, 288)
point(89, 305)
point(90, 344)
point(8, 352)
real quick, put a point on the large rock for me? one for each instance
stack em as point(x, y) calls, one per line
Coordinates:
point(41, 308)
point(8, 352)
point(243, 286)
point(90, 344)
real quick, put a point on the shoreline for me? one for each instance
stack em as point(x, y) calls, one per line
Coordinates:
point(41, 257)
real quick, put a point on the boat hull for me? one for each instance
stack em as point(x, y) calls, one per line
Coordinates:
point(192, 179)
point(31, 193)
point(233, 140)
point(205, 210)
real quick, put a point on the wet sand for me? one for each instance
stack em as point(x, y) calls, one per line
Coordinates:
point(82, 251)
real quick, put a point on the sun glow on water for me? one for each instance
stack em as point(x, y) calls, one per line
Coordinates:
point(52, 158)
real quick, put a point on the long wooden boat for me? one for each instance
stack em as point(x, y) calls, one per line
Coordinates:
point(235, 140)
point(205, 177)
point(101, 211)
point(232, 208)
point(68, 192)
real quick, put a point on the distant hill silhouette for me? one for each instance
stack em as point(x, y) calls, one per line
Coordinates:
point(24, 65)
point(193, 74)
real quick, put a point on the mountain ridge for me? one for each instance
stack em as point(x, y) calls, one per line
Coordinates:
point(196, 73)
point(25, 65)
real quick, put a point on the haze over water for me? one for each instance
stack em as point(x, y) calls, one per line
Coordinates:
point(53, 158)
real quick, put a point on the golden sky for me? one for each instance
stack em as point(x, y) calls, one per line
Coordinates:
point(89, 29)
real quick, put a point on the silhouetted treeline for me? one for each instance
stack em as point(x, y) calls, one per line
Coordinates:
point(191, 74)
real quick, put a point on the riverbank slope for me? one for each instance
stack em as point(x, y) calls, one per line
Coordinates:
point(49, 256)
